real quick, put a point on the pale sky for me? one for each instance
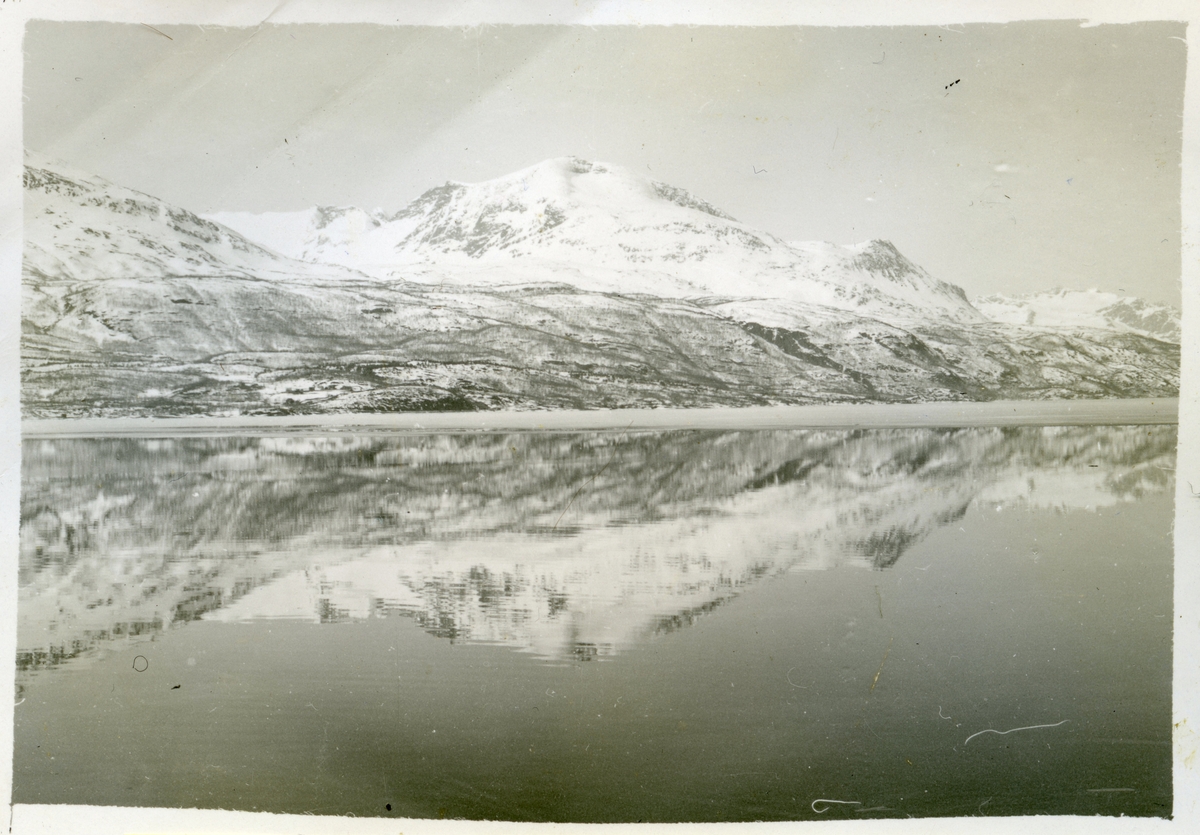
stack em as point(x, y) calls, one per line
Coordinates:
point(1052, 161)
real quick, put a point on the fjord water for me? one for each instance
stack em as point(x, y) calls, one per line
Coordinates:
point(622, 626)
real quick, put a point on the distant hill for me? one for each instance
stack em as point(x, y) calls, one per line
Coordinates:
point(1073, 309)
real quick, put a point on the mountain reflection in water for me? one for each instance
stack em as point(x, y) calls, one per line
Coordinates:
point(568, 546)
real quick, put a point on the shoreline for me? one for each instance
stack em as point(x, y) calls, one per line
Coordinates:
point(947, 415)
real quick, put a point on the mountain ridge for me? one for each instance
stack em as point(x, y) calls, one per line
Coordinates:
point(610, 230)
point(134, 307)
point(82, 226)
point(1060, 308)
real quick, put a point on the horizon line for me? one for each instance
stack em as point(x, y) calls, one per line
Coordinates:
point(1160, 411)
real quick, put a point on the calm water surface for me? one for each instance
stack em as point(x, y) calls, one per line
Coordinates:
point(656, 626)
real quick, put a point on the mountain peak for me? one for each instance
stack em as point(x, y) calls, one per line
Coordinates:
point(567, 166)
point(881, 256)
point(579, 180)
point(557, 170)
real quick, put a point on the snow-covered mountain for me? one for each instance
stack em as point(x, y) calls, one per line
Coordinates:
point(628, 294)
point(604, 229)
point(1075, 309)
point(79, 226)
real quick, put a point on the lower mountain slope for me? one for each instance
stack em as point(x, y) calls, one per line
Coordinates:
point(186, 346)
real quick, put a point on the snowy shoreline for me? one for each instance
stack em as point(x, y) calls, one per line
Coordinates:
point(1140, 411)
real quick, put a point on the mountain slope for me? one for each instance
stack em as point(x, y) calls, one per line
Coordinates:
point(219, 345)
point(79, 226)
point(602, 228)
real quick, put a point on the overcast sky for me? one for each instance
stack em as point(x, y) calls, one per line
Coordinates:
point(1052, 160)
